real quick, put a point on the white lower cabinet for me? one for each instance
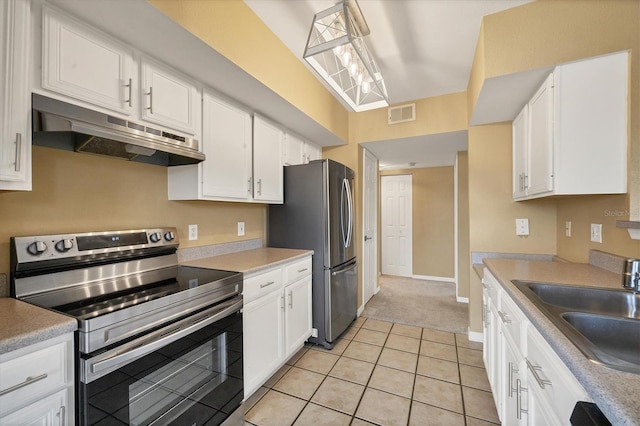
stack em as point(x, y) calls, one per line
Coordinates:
point(36, 384)
point(530, 383)
point(276, 319)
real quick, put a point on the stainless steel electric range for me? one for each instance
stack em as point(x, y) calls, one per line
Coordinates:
point(157, 343)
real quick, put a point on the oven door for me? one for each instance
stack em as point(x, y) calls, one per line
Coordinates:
point(189, 372)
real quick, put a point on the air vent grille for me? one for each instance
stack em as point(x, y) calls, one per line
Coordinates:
point(402, 113)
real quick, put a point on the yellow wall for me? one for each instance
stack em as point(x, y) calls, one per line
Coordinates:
point(432, 220)
point(464, 257)
point(235, 31)
point(75, 192)
point(439, 114)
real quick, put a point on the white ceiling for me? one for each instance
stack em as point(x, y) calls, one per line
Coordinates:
point(423, 48)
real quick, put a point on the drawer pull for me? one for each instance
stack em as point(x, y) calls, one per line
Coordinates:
point(291, 300)
point(534, 371)
point(504, 317)
point(302, 270)
point(512, 371)
point(519, 410)
point(62, 413)
point(27, 382)
point(267, 284)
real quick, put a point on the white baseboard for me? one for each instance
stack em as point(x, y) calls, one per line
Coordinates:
point(431, 278)
point(360, 310)
point(475, 336)
point(462, 299)
point(376, 290)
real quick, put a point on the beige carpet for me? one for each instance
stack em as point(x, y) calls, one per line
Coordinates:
point(428, 304)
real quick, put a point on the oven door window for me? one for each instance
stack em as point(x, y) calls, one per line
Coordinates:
point(196, 380)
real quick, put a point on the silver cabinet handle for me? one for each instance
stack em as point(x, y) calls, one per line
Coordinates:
point(18, 152)
point(504, 317)
point(150, 108)
point(290, 299)
point(62, 415)
point(526, 182)
point(302, 270)
point(30, 380)
point(249, 185)
point(512, 371)
point(534, 371)
point(519, 409)
point(130, 86)
point(260, 186)
point(282, 302)
point(267, 284)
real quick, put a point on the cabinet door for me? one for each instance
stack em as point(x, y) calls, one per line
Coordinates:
point(169, 99)
point(85, 64)
point(540, 153)
point(513, 390)
point(520, 145)
point(50, 411)
point(297, 321)
point(267, 161)
point(263, 339)
point(15, 95)
point(226, 142)
point(312, 152)
point(293, 150)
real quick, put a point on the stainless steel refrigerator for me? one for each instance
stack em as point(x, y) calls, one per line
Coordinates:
point(318, 214)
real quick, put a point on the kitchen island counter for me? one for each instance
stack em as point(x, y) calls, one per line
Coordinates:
point(615, 392)
point(250, 261)
point(23, 324)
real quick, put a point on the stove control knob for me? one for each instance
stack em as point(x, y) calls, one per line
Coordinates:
point(37, 248)
point(169, 236)
point(64, 245)
point(155, 237)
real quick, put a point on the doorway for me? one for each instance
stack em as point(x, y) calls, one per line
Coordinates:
point(396, 225)
point(370, 227)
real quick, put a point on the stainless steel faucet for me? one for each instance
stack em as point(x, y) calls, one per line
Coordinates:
point(631, 275)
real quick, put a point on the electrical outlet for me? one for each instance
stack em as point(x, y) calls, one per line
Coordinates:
point(522, 226)
point(193, 232)
point(596, 232)
point(567, 228)
point(240, 229)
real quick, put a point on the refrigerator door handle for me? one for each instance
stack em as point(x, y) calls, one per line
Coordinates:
point(350, 205)
point(345, 188)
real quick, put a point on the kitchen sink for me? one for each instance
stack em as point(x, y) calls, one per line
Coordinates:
point(603, 323)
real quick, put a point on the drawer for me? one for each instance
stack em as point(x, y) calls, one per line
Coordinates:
point(550, 378)
point(491, 284)
point(33, 375)
point(297, 270)
point(512, 320)
point(261, 284)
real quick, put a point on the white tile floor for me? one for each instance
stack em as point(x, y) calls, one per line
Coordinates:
point(380, 373)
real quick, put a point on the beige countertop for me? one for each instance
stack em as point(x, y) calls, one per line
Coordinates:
point(615, 392)
point(23, 324)
point(250, 261)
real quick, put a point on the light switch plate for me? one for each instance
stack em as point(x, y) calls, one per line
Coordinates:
point(567, 228)
point(522, 226)
point(240, 229)
point(596, 232)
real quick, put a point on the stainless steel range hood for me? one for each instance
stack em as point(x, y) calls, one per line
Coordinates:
point(85, 130)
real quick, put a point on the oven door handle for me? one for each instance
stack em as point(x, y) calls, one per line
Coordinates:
point(196, 322)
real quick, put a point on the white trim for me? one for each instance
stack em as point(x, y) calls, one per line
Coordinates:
point(455, 227)
point(360, 310)
point(366, 153)
point(432, 278)
point(462, 299)
point(376, 290)
point(475, 336)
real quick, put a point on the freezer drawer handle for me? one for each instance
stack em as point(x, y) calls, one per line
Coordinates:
point(267, 284)
point(27, 382)
point(340, 272)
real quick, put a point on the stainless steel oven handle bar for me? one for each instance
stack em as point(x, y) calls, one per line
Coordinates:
point(197, 321)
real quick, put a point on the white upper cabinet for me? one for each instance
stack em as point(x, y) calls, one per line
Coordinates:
point(268, 140)
point(84, 64)
point(298, 151)
point(574, 139)
point(15, 95)
point(168, 98)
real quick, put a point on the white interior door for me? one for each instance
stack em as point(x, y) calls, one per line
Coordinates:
point(370, 221)
point(396, 225)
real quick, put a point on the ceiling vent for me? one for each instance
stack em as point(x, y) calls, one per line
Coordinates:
point(402, 113)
